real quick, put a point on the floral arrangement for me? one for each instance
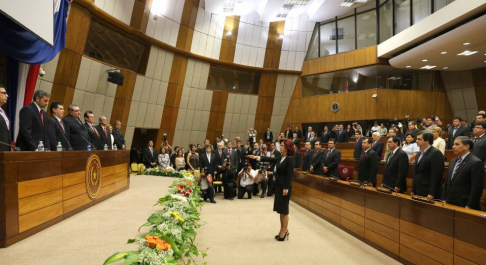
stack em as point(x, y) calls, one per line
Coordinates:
point(165, 172)
point(171, 238)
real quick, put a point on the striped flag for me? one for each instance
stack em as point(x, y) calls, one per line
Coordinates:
point(346, 85)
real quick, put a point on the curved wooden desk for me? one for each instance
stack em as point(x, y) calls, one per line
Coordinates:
point(39, 189)
point(405, 229)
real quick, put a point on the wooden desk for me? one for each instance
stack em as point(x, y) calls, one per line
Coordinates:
point(40, 189)
point(405, 229)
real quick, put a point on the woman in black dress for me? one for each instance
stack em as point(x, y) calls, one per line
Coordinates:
point(285, 171)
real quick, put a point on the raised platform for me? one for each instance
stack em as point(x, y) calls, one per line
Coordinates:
point(40, 189)
point(408, 230)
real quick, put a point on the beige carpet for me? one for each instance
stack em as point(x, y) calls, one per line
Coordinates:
point(236, 232)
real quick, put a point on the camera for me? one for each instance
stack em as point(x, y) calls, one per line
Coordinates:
point(165, 137)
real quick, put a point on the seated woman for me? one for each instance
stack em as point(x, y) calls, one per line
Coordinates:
point(180, 164)
point(164, 159)
point(410, 147)
point(383, 130)
point(192, 158)
point(439, 143)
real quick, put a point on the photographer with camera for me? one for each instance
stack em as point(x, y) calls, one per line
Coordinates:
point(207, 190)
point(246, 179)
point(229, 180)
point(262, 179)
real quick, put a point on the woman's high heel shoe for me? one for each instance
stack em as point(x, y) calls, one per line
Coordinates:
point(287, 235)
point(278, 236)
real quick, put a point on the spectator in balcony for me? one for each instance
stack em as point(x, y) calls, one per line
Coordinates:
point(439, 143)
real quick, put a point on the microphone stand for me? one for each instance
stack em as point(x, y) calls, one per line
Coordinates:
point(70, 147)
point(92, 146)
point(396, 192)
point(14, 147)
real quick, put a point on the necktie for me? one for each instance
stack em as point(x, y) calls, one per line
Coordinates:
point(96, 132)
point(220, 153)
point(475, 139)
point(106, 134)
point(458, 163)
point(5, 118)
point(362, 156)
point(420, 157)
point(62, 126)
point(42, 116)
point(355, 142)
point(454, 131)
point(229, 150)
point(328, 153)
point(389, 157)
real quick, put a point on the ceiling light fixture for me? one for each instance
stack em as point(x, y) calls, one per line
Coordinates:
point(443, 53)
point(284, 11)
point(280, 36)
point(408, 66)
point(428, 67)
point(228, 6)
point(348, 3)
point(158, 8)
point(229, 33)
point(297, 2)
point(467, 53)
point(425, 60)
point(445, 68)
point(466, 43)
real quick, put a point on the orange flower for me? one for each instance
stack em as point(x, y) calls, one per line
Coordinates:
point(152, 241)
point(163, 245)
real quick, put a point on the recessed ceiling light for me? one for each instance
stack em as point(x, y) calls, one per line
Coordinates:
point(443, 53)
point(445, 68)
point(408, 66)
point(424, 60)
point(466, 43)
point(428, 67)
point(229, 33)
point(467, 53)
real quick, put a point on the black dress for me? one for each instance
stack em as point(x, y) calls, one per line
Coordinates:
point(284, 174)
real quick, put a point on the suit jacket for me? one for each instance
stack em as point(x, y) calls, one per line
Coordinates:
point(331, 160)
point(118, 138)
point(427, 175)
point(56, 134)
point(466, 187)
point(312, 141)
point(104, 139)
point(285, 170)
point(4, 135)
point(414, 132)
point(149, 157)
point(296, 141)
point(76, 132)
point(368, 167)
point(479, 149)
point(306, 163)
point(396, 170)
point(94, 139)
point(31, 129)
point(341, 137)
point(219, 160)
point(298, 159)
point(299, 133)
point(316, 161)
point(268, 138)
point(461, 131)
point(325, 136)
point(289, 134)
point(378, 148)
point(358, 149)
point(210, 165)
point(233, 158)
point(135, 157)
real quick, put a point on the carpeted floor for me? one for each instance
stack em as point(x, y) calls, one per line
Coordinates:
point(236, 232)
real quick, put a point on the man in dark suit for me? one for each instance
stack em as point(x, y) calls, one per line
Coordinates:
point(219, 157)
point(118, 138)
point(296, 140)
point(308, 133)
point(325, 135)
point(377, 145)
point(135, 155)
point(298, 132)
point(306, 162)
point(465, 178)
point(4, 122)
point(358, 148)
point(316, 166)
point(94, 136)
point(312, 139)
point(208, 162)
point(331, 160)
point(56, 130)
point(232, 156)
point(271, 181)
point(149, 155)
point(411, 129)
point(104, 133)
point(429, 167)
point(78, 136)
point(297, 157)
point(368, 164)
point(340, 134)
point(479, 140)
point(456, 130)
point(268, 136)
point(396, 167)
point(289, 133)
point(32, 123)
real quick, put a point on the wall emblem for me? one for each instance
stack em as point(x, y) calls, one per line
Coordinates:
point(93, 176)
point(345, 171)
point(335, 107)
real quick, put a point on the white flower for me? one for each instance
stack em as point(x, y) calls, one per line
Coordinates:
point(178, 197)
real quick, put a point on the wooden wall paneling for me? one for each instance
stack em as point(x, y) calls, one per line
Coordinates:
point(38, 186)
point(431, 237)
point(140, 14)
point(469, 252)
point(123, 99)
point(78, 23)
point(330, 65)
point(339, 61)
point(75, 202)
point(414, 257)
point(274, 45)
point(370, 103)
point(359, 108)
point(371, 55)
point(39, 201)
point(41, 216)
point(349, 59)
point(360, 57)
point(349, 103)
point(73, 178)
point(67, 68)
point(305, 68)
point(479, 81)
point(426, 249)
point(75, 190)
point(266, 97)
point(382, 103)
point(382, 241)
point(321, 65)
point(186, 29)
point(313, 66)
point(9, 211)
point(341, 100)
point(228, 44)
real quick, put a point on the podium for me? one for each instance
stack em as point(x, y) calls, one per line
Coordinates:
point(40, 189)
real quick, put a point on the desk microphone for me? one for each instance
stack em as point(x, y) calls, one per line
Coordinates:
point(70, 147)
point(92, 146)
point(441, 201)
point(390, 188)
point(14, 147)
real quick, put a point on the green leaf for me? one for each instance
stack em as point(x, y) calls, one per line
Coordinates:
point(130, 241)
point(146, 224)
point(155, 218)
point(176, 250)
point(189, 233)
point(115, 257)
point(204, 254)
point(132, 258)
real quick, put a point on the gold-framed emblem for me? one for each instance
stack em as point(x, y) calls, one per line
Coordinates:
point(93, 176)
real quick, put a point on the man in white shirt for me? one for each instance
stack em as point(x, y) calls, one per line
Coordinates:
point(246, 179)
point(375, 127)
point(262, 179)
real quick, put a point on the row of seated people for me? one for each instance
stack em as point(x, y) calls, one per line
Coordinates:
point(462, 186)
